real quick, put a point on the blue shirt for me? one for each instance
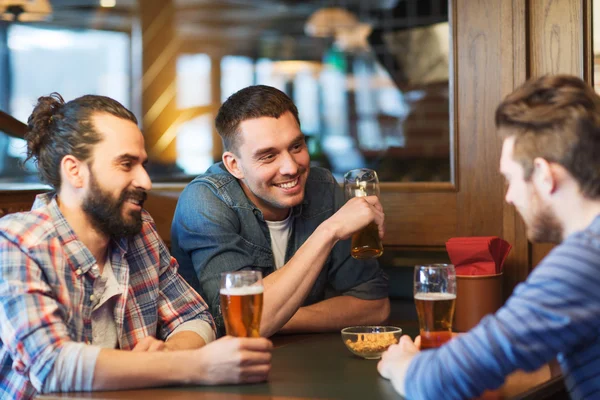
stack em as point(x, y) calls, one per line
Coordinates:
point(216, 229)
point(554, 314)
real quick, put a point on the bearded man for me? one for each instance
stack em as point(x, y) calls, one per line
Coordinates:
point(551, 130)
point(90, 298)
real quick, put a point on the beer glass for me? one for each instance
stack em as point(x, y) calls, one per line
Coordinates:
point(435, 298)
point(359, 183)
point(241, 302)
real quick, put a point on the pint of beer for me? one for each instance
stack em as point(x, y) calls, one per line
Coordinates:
point(435, 299)
point(435, 311)
point(366, 243)
point(241, 297)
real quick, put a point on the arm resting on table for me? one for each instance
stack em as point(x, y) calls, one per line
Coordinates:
point(337, 313)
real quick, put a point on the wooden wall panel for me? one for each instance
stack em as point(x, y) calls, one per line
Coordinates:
point(556, 37)
point(491, 46)
point(419, 219)
point(557, 44)
point(517, 264)
point(12, 201)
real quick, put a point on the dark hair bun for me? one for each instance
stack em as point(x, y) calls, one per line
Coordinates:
point(41, 121)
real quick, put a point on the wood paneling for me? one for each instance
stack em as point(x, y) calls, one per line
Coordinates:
point(556, 37)
point(160, 47)
point(161, 206)
point(491, 46)
point(517, 264)
point(419, 218)
point(558, 43)
point(16, 201)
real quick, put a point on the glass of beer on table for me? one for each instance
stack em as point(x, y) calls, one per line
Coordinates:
point(435, 298)
point(241, 295)
point(361, 182)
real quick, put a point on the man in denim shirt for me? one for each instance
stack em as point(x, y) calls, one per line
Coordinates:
point(264, 208)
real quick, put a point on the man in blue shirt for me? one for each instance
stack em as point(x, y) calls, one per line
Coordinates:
point(551, 130)
point(263, 207)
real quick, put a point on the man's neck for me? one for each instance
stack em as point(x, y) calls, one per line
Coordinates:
point(96, 242)
point(577, 214)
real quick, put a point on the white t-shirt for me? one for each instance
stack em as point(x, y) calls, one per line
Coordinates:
point(280, 232)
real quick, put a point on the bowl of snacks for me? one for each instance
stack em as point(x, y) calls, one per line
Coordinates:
point(370, 342)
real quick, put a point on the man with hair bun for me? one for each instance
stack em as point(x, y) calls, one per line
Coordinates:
point(551, 131)
point(90, 298)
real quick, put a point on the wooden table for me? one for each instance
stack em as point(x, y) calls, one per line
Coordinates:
point(316, 366)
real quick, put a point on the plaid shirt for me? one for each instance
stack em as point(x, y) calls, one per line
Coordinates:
point(46, 280)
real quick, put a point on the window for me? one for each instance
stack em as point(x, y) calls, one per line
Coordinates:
point(70, 62)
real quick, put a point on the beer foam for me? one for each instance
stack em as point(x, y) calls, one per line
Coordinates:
point(242, 291)
point(435, 296)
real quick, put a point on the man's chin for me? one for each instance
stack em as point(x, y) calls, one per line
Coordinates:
point(544, 237)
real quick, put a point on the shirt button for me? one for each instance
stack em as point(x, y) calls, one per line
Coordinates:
point(78, 272)
point(92, 297)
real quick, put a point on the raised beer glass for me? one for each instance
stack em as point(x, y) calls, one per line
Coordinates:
point(241, 302)
point(435, 298)
point(361, 182)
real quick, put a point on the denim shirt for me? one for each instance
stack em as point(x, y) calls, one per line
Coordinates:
point(216, 229)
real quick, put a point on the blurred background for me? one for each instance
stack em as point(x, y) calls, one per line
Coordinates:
point(369, 77)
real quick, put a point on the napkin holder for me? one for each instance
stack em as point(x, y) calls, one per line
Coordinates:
point(476, 296)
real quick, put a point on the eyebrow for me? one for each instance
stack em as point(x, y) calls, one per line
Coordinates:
point(260, 152)
point(130, 157)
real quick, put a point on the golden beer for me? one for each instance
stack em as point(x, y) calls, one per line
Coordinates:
point(242, 309)
point(435, 311)
point(366, 243)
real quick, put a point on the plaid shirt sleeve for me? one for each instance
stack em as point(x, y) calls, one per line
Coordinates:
point(33, 329)
point(178, 302)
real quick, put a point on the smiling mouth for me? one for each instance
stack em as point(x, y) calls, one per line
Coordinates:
point(137, 198)
point(288, 185)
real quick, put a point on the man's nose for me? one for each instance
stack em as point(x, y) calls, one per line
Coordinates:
point(142, 179)
point(288, 165)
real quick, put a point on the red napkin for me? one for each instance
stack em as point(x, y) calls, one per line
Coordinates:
point(478, 255)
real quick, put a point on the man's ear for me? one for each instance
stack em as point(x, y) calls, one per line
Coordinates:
point(230, 161)
point(73, 171)
point(544, 177)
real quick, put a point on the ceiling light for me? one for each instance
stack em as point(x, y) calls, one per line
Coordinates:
point(325, 22)
point(25, 10)
point(108, 3)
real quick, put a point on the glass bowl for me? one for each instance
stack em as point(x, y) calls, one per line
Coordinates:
point(370, 342)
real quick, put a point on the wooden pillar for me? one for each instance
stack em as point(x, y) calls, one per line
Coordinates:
point(558, 30)
point(490, 50)
point(160, 47)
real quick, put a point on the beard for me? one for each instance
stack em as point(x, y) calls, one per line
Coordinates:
point(543, 226)
point(106, 212)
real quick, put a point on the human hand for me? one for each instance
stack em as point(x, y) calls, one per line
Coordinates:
point(150, 343)
point(357, 213)
point(395, 361)
point(233, 360)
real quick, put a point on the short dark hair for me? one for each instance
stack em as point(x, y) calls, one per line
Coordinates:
point(56, 129)
point(556, 118)
point(249, 103)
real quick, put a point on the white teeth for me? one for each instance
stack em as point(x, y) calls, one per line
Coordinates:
point(288, 185)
